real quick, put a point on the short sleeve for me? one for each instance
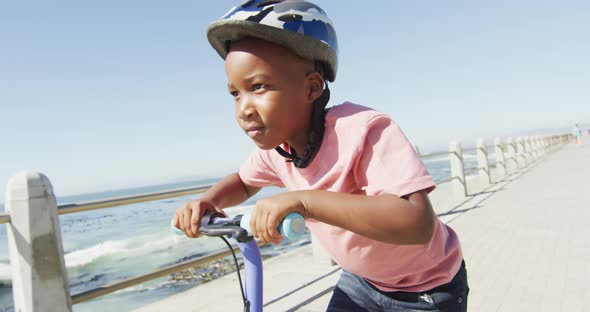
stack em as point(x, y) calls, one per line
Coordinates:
point(257, 171)
point(388, 163)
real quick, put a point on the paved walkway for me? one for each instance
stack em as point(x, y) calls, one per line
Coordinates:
point(527, 246)
point(525, 241)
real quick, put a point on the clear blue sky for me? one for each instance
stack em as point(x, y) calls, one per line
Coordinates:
point(106, 94)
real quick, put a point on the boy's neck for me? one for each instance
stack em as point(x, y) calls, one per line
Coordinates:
point(299, 141)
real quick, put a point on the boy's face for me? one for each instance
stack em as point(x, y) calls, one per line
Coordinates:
point(271, 88)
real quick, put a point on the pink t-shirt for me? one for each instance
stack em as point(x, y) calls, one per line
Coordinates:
point(365, 152)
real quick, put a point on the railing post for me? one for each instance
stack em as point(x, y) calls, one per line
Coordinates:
point(545, 145)
point(457, 168)
point(528, 150)
point(524, 151)
point(520, 153)
point(512, 163)
point(535, 147)
point(482, 163)
point(500, 161)
point(39, 277)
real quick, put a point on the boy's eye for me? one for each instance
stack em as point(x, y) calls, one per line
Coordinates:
point(258, 86)
point(234, 93)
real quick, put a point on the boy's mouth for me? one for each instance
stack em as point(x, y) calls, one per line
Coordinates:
point(254, 131)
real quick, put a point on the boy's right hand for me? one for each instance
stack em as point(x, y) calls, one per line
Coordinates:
point(187, 218)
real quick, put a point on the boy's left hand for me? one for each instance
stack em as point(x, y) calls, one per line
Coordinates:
point(269, 213)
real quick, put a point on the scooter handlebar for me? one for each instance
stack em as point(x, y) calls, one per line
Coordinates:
point(292, 227)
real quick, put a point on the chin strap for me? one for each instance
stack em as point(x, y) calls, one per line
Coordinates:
point(315, 134)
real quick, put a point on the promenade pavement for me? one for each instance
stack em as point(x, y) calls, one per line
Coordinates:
point(524, 239)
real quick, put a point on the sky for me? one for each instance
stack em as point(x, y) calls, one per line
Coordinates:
point(101, 95)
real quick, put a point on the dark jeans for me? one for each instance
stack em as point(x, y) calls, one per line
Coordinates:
point(354, 294)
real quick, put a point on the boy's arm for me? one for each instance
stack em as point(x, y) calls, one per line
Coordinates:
point(387, 218)
point(230, 191)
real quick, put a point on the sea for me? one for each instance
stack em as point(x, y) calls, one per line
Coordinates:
point(107, 245)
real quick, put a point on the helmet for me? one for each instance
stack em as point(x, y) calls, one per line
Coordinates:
point(298, 25)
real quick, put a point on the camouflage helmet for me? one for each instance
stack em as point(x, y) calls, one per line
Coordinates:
point(297, 25)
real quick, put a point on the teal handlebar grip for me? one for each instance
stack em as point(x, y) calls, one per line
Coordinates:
point(292, 227)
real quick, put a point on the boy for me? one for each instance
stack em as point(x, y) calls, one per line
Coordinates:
point(350, 171)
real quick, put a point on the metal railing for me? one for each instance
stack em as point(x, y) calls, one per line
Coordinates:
point(134, 199)
point(120, 201)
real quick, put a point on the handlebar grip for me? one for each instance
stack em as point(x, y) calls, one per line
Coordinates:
point(292, 227)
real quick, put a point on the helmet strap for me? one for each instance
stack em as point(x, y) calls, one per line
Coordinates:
point(315, 133)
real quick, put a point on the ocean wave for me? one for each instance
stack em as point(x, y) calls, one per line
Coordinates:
point(84, 282)
point(160, 244)
point(88, 255)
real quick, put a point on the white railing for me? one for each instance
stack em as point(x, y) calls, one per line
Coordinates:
point(39, 279)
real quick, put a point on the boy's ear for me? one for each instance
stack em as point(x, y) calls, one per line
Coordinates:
point(315, 85)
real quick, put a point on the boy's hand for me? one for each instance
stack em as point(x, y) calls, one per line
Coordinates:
point(188, 217)
point(269, 213)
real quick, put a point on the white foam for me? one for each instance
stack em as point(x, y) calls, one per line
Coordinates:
point(88, 255)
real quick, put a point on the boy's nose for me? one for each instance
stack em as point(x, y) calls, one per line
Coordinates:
point(246, 110)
